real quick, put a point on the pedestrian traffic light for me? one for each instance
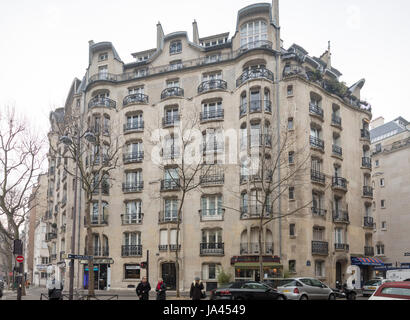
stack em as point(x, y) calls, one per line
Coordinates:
point(144, 265)
point(18, 247)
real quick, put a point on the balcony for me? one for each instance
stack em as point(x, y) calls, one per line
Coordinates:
point(214, 115)
point(131, 251)
point(170, 216)
point(367, 192)
point(211, 85)
point(291, 70)
point(340, 216)
point(137, 98)
point(213, 148)
point(172, 92)
point(317, 177)
point(102, 103)
point(257, 73)
point(368, 222)
point(171, 185)
point(337, 151)
point(133, 157)
point(369, 251)
point(132, 187)
point(212, 179)
point(104, 190)
point(315, 110)
point(163, 247)
point(365, 134)
point(317, 143)
point(339, 183)
point(320, 248)
point(171, 121)
point(254, 248)
point(51, 236)
point(97, 220)
point(212, 249)
point(255, 212)
point(257, 106)
point(336, 121)
point(259, 44)
point(342, 247)
point(134, 126)
point(174, 247)
point(132, 219)
point(212, 214)
point(366, 163)
point(171, 153)
point(319, 212)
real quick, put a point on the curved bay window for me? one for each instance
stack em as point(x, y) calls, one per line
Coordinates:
point(254, 34)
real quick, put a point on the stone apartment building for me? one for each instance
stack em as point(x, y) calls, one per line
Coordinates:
point(244, 83)
point(391, 178)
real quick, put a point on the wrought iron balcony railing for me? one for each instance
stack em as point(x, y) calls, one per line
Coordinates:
point(51, 236)
point(254, 248)
point(212, 214)
point(132, 187)
point(172, 92)
point(212, 249)
point(170, 185)
point(317, 176)
point(212, 115)
point(133, 218)
point(340, 216)
point(102, 103)
point(133, 157)
point(316, 110)
point(338, 151)
point(339, 183)
point(171, 121)
point(135, 99)
point(336, 120)
point(365, 134)
point(319, 212)
point(257, 73)
point(368, 191)
point(243, 109)
point(317, 143)
point(366, 162)
point(134, 126)
point(320, 248)
point(342, 247)
point(168, 216)
point(212, 179)
point(210, 85)
point(369, 251)
point(368, 222)
point(131, 251)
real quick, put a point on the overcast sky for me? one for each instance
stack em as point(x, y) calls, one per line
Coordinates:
point(44, 43)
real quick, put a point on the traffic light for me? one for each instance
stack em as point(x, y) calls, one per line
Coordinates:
point(144, 265)
point(18, 247)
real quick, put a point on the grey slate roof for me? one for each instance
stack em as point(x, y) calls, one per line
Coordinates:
point(385, 129)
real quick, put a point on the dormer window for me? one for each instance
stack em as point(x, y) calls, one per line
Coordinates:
point(253, 34)
point(103, 56)
point(175, 65)
point(175, 47)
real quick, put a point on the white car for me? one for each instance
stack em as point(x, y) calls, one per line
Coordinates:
point(392, 291)
point(372, 285)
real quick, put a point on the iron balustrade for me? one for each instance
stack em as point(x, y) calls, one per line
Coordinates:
point(340, 216)
point(97, 220)
point(212, 214)
point(366, 162)
point(369, 251)
point(342, 247)
point(368, 222)
point(337, 150)
point(170, 216)
point(131, 251)
point(316, 110)
point(258, 44)
point(320, 248)
point(244, 248)
point(319, 212)
point(365, 134)
point(212, 179)
point(135, 99)
point(291, 70)
point(172, 92)
point(216, 147)
point(212, 115)
point(171, 121)
point(368, 191)
point(212, 248)
point(338, 182)
point(132, 187)
point(170, 185)
point(173, 247)
point(317, 176)
point(257, 73)
point(102, 103)
point(134, 126)
point(317, 143)
point(133, 157)
point(215, 84)
point(103, 77)
point(163, 247)
point(132, 218)
point(255, 212)
point(336, 120)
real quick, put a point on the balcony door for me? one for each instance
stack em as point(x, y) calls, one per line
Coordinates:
point(171, 210)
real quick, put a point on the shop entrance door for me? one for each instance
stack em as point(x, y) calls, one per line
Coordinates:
point(169, 275)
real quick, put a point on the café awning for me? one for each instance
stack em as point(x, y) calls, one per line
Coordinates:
point(367, 262)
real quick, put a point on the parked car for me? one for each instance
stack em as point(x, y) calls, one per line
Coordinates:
point(392, 291)
point(372, 285)
point(306, 289)
point(247, 290)
point(1, 288)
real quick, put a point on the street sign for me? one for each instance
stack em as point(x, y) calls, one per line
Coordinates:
point(20, 259)
point(76, 257)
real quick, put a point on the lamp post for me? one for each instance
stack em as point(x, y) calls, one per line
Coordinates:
point(66, 140)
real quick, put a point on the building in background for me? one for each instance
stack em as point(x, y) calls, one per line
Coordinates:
point(236, 83)
point(391, 183)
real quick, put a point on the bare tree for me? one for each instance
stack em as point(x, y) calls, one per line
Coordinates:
point(94, 150)
point(20, 166)
point(181, 158)
point(6, 256)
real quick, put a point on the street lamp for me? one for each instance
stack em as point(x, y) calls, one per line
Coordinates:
point(66, 140)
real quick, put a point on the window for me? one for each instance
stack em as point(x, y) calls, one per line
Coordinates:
point(292, 266)
point(318, 234)
point(212, 76)
point(380, 249)
point(378, 147)
point(213, 58)
point(291, 193)
point(175, 47)
point(319, 269)
point(290, 124)
point(211, 207)
point(175, 65)
point(212, 236)
point(171, 209)
point(103, 72)
point(173, 84)
point(292, 230)
point(136, 90)
point(132, 271)
point(382, 182)
point(339, 236)
point(253, 34)
point(384, 225)
point(133, 212)
point(383, 204)
point(103, 56)
point(210, 271)
point(291, 157)
point(290, 90)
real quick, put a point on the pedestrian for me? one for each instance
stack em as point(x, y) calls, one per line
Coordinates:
point(143, 289)
point(55, 288)
point(196, 292)
point(161, 290)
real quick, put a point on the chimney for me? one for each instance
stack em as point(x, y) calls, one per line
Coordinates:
point(275, 12)
point(195, 32)
point(160, 36)
point(91, 43)
point(376, 123)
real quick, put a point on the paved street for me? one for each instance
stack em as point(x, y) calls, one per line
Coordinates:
point(35, 293)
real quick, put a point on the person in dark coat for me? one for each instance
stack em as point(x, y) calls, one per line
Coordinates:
point(196, 290)
point(143, 289)
point(161, 290)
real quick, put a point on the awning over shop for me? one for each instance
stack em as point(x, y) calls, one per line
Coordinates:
point(253, 265)
point(367, 262)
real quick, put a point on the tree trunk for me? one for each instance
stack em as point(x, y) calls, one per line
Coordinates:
point(177, 245)
point(260, 246)
point(89, 245)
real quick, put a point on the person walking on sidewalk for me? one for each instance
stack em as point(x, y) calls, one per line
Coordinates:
point(143, 289)
point(161, 290)
point(196, 292)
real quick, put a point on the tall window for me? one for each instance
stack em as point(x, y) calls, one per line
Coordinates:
point(339, 236)
point(252, 33)
point(175, 47)
point(133, 212)
point(319, 269)
point(171, 209)
point(211, 206)
point(212, 236)
point(135, 121)
point(136, 90)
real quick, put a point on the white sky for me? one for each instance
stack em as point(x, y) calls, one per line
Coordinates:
point(44, 43)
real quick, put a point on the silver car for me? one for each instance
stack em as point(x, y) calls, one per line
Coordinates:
point(372, 285)
point(306, 289)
